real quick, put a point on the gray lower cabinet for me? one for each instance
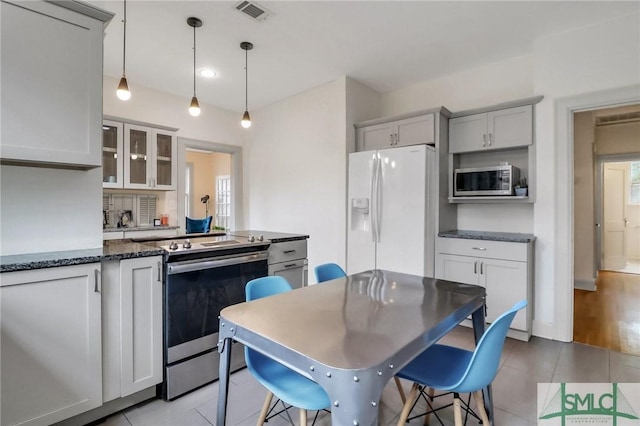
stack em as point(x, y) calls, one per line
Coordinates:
point(132, 326)
point(289, 260)
point(504, 269)
point(50, 344)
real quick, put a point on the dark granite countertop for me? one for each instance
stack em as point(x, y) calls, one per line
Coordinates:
point(111, 250)
point(510, 237)
point(139, 228)
point(274, 237)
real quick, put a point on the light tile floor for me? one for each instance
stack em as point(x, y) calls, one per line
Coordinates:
point(522, 367)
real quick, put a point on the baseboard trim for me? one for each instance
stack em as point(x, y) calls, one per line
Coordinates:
point(545, 330)
point(585, 284)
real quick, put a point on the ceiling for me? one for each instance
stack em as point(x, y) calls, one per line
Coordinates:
point(386, 45)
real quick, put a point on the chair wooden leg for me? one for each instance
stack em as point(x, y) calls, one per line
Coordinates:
point(265, 409)
point(400, 390)
point(427, 417)
point(406, 409)
point(477, 396)
point(303, 417)
point(457, 410)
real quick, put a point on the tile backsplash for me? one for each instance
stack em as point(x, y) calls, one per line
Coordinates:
point(128, 210)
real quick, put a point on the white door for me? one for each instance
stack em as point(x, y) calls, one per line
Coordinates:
point(361, 249)
point(615, 216)
point(401, 223)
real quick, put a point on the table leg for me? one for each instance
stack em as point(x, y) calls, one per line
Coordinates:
point(478, 330)
point(225, 359)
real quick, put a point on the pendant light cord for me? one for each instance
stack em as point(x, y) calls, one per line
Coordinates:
point(194, 60)
point(246, 80)
point(124, 41)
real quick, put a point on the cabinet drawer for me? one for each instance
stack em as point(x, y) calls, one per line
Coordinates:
point(483, 248)
point(281, 252)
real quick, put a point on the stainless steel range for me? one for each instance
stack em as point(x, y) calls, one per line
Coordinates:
point(203, 276)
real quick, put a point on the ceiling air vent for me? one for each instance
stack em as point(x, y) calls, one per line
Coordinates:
point(627, 117)
point(253, 10)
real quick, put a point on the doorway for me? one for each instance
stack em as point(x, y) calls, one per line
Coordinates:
point(607, 195)
point(210, 183)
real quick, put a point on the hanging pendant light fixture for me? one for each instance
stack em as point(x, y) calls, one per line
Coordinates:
point(123, 92)
point(246, 120)
point(194, 107)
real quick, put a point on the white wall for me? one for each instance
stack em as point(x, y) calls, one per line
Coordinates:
point(44, 210)
point(296, 168)
point(580, 61)
point(583, 193)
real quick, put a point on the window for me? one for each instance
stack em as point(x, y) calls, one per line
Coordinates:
point(223, 201)
point(188, 184)
point(634, 182)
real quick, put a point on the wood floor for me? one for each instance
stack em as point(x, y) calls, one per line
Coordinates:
point(610, 316)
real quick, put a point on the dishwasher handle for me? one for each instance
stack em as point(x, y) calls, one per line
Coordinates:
point(210, 263)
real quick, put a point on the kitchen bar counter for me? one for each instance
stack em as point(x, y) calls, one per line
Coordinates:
point(111, 250)
point(274, 237)
point(510, 237)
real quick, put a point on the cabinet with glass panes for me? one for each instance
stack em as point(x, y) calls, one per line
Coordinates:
point(112, 173)
point(138, 156)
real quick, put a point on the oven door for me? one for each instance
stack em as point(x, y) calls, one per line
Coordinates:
point(195, 293)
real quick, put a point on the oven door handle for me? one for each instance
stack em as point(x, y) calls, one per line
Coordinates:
point(191, 265)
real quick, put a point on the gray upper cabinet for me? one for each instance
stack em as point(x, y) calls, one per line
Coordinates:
point(408, 131)
point(506, 128)
point(51, 83)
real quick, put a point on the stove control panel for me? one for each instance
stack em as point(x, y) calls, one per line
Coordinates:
point(173, 246)
point(186, 244)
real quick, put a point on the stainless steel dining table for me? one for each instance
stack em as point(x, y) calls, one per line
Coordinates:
point(351, 335)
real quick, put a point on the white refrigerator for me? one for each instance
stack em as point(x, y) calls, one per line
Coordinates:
point(391, 210)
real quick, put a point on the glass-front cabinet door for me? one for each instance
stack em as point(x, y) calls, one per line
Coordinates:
point(112, 146)
point(137, 153)
point(165, 160)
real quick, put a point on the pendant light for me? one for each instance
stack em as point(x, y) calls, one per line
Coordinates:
point(123, 92)
point(194, 107)
point(246, 120)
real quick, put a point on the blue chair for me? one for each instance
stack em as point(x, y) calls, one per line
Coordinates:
point(287, 385)
point(328, 271)
point(457, 370)
point(199, 225)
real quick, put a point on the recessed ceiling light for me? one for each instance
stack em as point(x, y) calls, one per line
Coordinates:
point(208, 73)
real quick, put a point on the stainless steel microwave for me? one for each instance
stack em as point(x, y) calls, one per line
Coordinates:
point(479, 181)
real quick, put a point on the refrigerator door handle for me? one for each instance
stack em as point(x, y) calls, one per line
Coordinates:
point(379, 201)
point(372, 208)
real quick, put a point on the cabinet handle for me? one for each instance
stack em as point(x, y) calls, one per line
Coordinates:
point(484, 139)
point(396, 139)
point(489, 139)
point(96, 274)
point(159, 273)
point(288, 251)
point(391, 139)
point(289, 265)
point(479, 248)
point(481, 263)
point(475, 267)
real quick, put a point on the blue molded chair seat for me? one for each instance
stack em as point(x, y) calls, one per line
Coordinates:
point(287, 385)
point(457, 370)
point(199, 225)
point(329, 271)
